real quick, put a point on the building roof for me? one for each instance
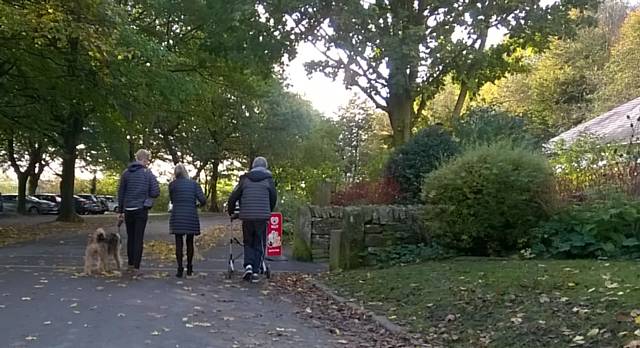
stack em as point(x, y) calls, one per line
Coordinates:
point(611, 127)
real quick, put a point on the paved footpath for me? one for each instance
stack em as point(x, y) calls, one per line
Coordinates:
point(45, 303)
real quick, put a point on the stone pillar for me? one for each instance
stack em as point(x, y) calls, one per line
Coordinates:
point(302, 238)
point(347, 245)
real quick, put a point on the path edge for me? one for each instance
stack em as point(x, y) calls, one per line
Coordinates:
point(381, 320)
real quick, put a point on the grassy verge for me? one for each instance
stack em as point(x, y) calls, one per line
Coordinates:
point(24, 233)
point(506, 303)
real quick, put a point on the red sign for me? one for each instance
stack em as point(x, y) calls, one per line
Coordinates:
point(274, 235)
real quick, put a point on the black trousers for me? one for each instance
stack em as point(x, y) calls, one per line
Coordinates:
point(254, 238)
point(136, 222)
point(180, 247)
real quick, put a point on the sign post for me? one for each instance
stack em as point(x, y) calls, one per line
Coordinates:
point(274, 235)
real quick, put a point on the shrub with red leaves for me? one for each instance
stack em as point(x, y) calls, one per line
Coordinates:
point(384, 191)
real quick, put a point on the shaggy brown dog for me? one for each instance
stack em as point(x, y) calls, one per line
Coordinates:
point(100, 247)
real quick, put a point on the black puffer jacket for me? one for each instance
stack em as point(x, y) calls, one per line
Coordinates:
point(257, 195)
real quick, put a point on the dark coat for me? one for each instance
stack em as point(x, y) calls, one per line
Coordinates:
point(257, 195)
point(185, 195)
point(138, 187)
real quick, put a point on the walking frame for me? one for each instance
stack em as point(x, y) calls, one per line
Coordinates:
point(264, 267)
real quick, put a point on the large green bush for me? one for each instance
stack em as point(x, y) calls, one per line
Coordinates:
point(597, 228)
point(486, 201)
point(421, 155)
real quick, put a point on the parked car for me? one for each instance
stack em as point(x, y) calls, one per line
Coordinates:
point(101, 208)
point(80, 205)
point(86, 207)
point(1, 205)
point(49, 197)
point(33, 205)
point(112, 203)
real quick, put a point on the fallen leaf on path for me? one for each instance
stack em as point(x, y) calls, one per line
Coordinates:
point(544, 298)
point(611, 285)
point(593, 332)
point(202, 324)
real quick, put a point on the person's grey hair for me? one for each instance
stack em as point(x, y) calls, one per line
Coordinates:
point(142, 155)
point(260, 162)
point(180, 171)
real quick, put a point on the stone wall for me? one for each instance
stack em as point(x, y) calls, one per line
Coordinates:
point(341, 235)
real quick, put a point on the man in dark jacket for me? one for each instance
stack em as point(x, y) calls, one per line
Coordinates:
point(138, 187)
point(257, 195)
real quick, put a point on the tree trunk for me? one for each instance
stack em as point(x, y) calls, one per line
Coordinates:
point(32, 186)
point(21, 207)
point(400, 116)
point(464, 86)
point(69, 156)
point(70, 134)
point(34, 178)
point(23, 175)
point(170, 147)
point(462, 98)
point(213, 187)
point(199, 170)
point(94, 184)
point(132, 151)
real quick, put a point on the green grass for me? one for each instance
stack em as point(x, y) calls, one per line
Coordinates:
point(477, 302)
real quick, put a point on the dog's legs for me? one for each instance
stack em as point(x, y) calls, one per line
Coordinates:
point(100, 264)
point(118, 258)
point(89, 262)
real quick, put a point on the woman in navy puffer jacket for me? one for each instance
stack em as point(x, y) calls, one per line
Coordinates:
point(186, 195)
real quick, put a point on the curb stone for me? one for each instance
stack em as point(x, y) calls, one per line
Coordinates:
point(379, 319)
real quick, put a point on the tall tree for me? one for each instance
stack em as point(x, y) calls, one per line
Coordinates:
point(24, 153)
point(398, 52)
point(356, 127)
point(623, 80)
point(562, 87)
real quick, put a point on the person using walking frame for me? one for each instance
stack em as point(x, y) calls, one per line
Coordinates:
point(257, 195)
point(185, 195)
